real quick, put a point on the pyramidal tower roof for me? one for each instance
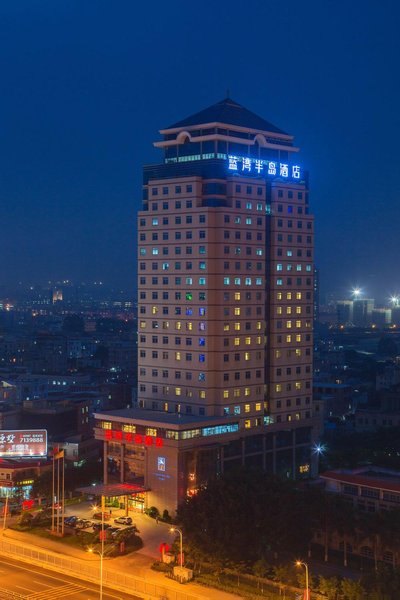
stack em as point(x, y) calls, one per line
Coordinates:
point(230, 113)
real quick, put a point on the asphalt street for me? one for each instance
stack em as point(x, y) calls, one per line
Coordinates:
point(34, 583)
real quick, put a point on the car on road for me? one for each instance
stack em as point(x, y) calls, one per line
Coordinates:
point(123, 520)
point(113, 531)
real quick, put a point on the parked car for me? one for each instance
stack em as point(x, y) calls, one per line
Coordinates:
point(83, 524)
point(98, 515)
point(70, 521)
point(111, 531)
point(123, 520)
point(98, 526)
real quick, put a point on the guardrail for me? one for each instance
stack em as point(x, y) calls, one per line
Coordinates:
point(81, 570)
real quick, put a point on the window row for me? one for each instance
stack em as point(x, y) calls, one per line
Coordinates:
point(289, 253)
point(290, 403)
point(289, 224)
point(299, 281)
point(299, 239)
point(290, 194)
point(166, 190)
point(290, 267)
point(290, 209)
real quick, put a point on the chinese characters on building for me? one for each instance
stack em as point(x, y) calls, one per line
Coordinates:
point(256, 166)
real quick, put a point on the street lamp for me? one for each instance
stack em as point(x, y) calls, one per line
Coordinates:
point(299, 563)
point(172, 530)
point(101, 554)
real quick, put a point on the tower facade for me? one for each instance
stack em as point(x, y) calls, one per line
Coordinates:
point(225, 288)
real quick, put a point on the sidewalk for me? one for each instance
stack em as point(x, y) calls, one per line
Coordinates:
point(134, 564)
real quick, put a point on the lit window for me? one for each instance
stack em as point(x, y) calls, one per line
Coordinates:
point(247, 356)
point(289, 296)
point(236, 393)
point(154, 251)
point(298, 310)
point(142, 324)
point(259, 252)
point(288, 324)
point(288, 338)
point(142, 251)
point(155, 221)
point(129, 428)
point(258, 339)
point(279, 310)
point(189, 280)
point(298, 352)
point(279, 267)
point(247, 424)
point(298, 324)
point(247, 408)
point(298, 267)
point(258, 325)
point(279, 295)
point(202, 281)
point(226, 280)
point(298, 337)
point(237, 295)
point(202, 394)
point(237, 326)
point(298, 295)
point(189, 326)
point(236, 341)
point(226, 327)
point(247, 281)
point(226, 394)
point(258, 405)
point(298, 385)
point(178, 391)
point(247, 391)
point(278, 353)
point(106, 425)
point(154, 310)
point(278, 387)
point(237, 311)
point(177, 356)
point(279, 282)
point(247, 341)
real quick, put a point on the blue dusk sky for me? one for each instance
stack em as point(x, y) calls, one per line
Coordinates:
point(87, 84)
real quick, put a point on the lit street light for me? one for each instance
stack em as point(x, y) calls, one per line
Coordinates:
point(299, 563)
point(172, 530)
point(100, 552)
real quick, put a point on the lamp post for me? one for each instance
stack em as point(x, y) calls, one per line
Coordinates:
point(172, 530)
point(100, 553)
point(299, 563)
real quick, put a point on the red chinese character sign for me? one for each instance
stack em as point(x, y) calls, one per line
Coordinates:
point(139, 439)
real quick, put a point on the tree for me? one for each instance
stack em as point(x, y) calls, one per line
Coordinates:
point(329, 586)
point(353, 590)
point(260, 568)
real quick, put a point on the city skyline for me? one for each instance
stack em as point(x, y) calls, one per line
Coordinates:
point(79, 106)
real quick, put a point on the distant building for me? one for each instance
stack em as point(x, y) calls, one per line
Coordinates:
point(362, 311)
point(344, 312)
point(381, 317)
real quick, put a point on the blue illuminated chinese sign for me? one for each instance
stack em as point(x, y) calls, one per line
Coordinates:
point(256, 166)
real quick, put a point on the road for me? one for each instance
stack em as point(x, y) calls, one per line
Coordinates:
point(33, 583)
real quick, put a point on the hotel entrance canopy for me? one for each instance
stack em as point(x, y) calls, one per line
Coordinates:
point(113, 489)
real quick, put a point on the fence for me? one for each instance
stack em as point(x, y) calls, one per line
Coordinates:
point(89, 572)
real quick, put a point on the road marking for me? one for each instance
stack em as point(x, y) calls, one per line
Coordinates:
point(42, 583)
point(57, 592)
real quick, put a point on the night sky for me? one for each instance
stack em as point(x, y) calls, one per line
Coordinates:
point(87, 84)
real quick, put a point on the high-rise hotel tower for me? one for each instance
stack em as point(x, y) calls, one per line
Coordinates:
point(225, 286)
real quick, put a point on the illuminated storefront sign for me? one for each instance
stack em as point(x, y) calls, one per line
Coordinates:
point(23, 443)
point(133, 438)
point(255, 166)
